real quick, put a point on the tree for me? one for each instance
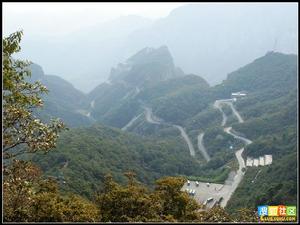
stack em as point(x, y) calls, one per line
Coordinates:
point(28, 197)
point(22, 131)
point(246, 215)
point(215, 214)
point(50, 206)
point(175, 203)
point(19, 178)
point(130, 203)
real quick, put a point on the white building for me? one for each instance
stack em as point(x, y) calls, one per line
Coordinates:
point(261, 161)
point(249, 161)
point(255, 162)
point(238, 94)
point(268, 159)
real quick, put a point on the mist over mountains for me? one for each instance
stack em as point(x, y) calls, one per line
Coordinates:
point(203, 39)
point(112, 121)
point(187, 118)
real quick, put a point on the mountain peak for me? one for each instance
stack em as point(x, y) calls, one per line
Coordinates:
point(152, 55)
point(148, 65)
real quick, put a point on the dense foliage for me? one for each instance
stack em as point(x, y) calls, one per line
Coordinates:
point(27, 196)
point(95, 151)
point(75, 186)
point(270, 113)
point(30, 198)
point(22, 131)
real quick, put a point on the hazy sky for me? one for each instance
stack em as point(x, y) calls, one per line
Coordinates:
point(60, 18)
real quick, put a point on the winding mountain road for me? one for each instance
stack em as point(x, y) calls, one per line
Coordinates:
point(240, 173)
point(228, 131)
point(151, 118)
point(201, 147)
point(187, 139)
point(238, 116)
point(217, 105)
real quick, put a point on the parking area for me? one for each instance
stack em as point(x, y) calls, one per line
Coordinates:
point(207, 191)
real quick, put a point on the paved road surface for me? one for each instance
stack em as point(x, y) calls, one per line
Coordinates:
point(187, 139)
point(239, 174)
point(236, 113)
point(228, 130)
point(151, 118)
point(217, 191)
point(131, 122)
point(217, 104)
point(202, 148)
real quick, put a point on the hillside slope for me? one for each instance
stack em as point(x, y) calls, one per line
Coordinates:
point(62, 101)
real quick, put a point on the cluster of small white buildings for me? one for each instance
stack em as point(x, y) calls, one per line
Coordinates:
point(261, 161)
point(236, 95)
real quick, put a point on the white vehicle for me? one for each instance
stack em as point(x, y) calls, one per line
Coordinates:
point(193, 192)
point(209, 199)
point(197, 184)
point(207, 184)
point(188, 183)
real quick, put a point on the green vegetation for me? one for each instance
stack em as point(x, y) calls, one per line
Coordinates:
point(112, 97)
point(272, 73)
point(275, 185)
point(97, 150)
point(22, 131)
point(63, 101)
point(75, 186)
point(270, 117)
point(30, 198)
point(177, 99)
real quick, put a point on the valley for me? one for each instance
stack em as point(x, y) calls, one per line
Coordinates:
point(150, 112)
point(181, 126)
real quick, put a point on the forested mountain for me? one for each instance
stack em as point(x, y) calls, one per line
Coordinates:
point(146, 67)
point(270, 113)
point(150, 79)
point(267, 75)
point(85, 158)
point(189, 117)
point(62, 101)
point(85, 155)
point(117, 102)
